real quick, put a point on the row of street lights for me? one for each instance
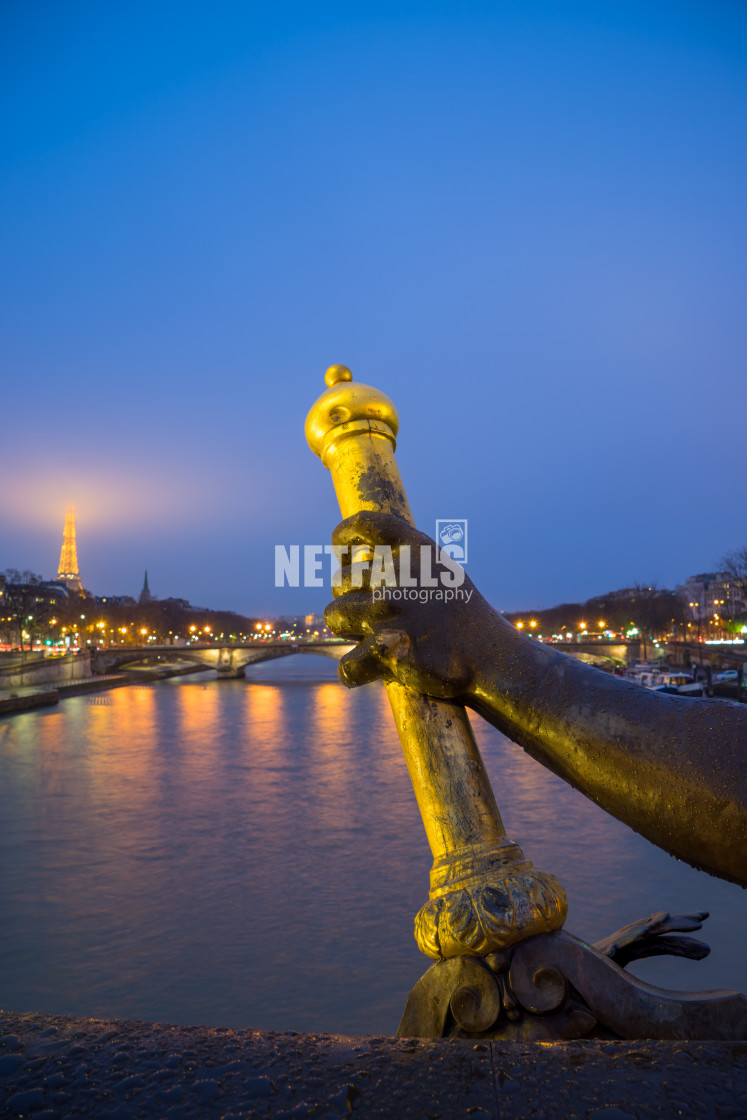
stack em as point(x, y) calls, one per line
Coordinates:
point(74, 636)
point(582, 630)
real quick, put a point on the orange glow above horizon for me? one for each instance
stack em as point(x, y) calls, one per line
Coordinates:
point(105, 500)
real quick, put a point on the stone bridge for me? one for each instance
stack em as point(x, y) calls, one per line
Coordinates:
point(621, 653)
point(674, 652)
point(230, 661)
point(684, 653)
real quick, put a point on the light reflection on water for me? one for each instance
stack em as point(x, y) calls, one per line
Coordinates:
point(249, 853)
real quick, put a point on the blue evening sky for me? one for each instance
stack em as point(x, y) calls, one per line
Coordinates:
point(523, 221)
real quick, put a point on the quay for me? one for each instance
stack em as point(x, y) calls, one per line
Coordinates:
point(56, 1067)
point(13, 701)
point(22, 683)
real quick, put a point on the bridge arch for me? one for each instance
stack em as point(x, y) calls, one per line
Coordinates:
point(230, 662)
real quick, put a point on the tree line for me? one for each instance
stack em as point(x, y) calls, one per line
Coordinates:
point(33, 611)
point(654, 611)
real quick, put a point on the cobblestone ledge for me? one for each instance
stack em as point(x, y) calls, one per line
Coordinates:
point(61, 1067)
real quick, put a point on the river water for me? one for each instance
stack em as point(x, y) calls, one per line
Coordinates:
point(249, 853)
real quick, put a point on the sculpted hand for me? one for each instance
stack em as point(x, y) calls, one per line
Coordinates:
point(651, 937)
point(425, 636)
point(610, 739)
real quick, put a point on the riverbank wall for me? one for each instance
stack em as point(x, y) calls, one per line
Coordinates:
point(60, 1066)
point(26, 699)
point(36, 669)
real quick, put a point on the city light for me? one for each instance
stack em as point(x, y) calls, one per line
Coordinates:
point(726, 628)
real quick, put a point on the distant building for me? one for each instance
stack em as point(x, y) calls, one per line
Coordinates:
point(28, 604)
point(316, 625)
point(67, 572)
point(302, 625)
point(713, 596)
point(624, 594)
point(56, 588)
point(145, 595)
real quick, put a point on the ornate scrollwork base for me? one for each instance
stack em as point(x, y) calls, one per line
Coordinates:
point(485, 898)
point(556, 987)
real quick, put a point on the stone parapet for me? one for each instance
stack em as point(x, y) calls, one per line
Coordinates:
point(59, 1066)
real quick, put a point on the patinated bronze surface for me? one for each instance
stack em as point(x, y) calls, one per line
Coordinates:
point(672, 770)
point(554, 987)
point(485, 894)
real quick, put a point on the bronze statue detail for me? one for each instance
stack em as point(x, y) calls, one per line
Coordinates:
point(554, 987)
point(671, 770)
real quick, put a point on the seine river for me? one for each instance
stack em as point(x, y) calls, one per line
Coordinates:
point(249, 853)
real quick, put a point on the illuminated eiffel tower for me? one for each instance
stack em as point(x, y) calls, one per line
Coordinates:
point(67, 572)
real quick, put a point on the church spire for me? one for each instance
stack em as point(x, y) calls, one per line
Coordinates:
point(145, 595)
point(67, 572)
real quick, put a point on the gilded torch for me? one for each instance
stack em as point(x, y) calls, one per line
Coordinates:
point(485, 895)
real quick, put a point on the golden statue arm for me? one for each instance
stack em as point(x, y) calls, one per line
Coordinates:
point(485, 895)
point(672, 769)
point(507, 969)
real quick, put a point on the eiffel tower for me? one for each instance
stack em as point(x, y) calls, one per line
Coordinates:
point(67, 572)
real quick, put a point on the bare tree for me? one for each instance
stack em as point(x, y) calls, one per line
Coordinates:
point(735, 563)
point(24, 600)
